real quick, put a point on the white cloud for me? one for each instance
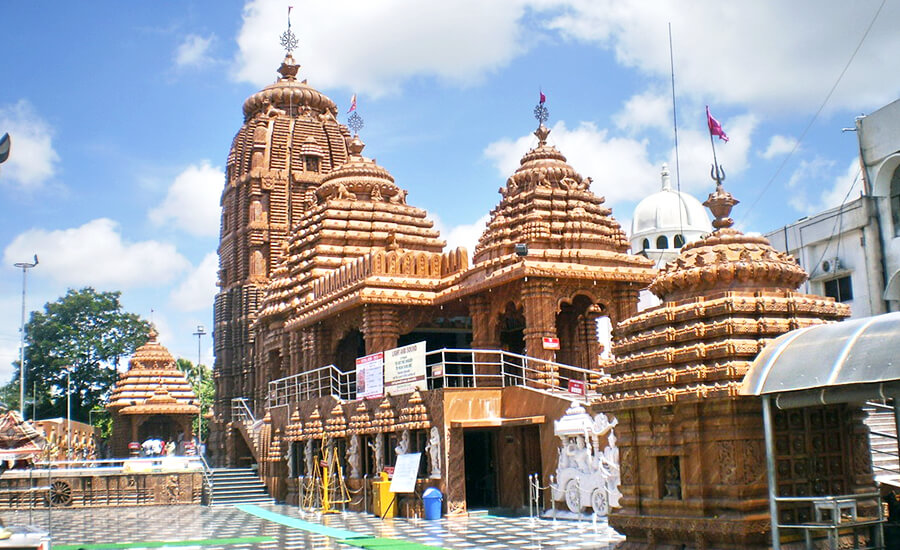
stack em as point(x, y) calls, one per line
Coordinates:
point(371, 47)
point(778, 55)
point(779, 145)
point(95, 254)
point(198, 289)
point(192, 202)
point(846, 187)
point(695, 152)
point(620, 167)
point(32, 158)
point(194, 51)
point(646, 110)
point(809, 173)
point(465, 235)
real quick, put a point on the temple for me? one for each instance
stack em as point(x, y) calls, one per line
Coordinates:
point(152, 399)
point(345, 329)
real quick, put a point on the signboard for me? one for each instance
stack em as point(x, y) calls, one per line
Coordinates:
point(576, 386)
point(404, 369)
point(405, 471)
point(370, 376)
point(551, 343)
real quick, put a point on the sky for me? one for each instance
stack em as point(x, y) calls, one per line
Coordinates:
point(121, 116)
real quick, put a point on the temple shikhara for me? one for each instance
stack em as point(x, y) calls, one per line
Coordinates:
point(151, 400)
point(345, 329)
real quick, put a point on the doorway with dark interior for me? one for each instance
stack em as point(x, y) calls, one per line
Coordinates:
point(481, 468)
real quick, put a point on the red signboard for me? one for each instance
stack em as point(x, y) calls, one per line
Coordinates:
point(576, 386)
point(551, 343)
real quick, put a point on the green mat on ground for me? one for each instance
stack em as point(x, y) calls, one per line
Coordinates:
point(163, 543)
point(387, 544)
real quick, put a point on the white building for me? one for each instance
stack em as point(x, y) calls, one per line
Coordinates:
point(663, 223)
point(852, 252)
point(840, 248)
point(879, 146)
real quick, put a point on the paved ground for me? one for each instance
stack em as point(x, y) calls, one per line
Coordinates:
point(223, 528)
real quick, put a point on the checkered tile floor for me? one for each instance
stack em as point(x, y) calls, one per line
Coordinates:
point(173, 523)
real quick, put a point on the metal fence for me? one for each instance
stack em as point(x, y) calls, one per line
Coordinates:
point(445, 368)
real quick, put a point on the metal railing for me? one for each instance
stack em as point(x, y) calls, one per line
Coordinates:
point(320, 382)
point(241, 411)
point(445, 368)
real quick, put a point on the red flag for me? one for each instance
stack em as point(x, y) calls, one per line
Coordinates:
point(352, 104)
point(715, 129)
point(543, 97)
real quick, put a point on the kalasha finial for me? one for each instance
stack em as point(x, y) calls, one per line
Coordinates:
point(288, 38)
point(721, 201)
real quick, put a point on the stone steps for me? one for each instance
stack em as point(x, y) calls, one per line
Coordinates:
point(232, 486)
point(883, 440)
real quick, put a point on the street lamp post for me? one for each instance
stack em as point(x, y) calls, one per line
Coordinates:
point(201, 330)
point(24, 266)
point(69, 412)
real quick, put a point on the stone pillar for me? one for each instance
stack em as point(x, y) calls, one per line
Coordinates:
point(540, 316)
point(588, 329)
point(484, 336)
point(625, 300)
point(381, 328)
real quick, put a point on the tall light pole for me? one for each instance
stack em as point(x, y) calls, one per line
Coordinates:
point(24, 266)
point(69, 412)
point(201, 330)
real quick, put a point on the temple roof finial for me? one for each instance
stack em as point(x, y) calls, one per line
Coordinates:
point(666, 180)
point(289, 42)
point(541, 114)
point(721, 201)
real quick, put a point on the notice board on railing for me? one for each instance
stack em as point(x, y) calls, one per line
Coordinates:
point(404, 369)
point(370, 376)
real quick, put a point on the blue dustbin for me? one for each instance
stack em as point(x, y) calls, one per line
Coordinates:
point(431, 500)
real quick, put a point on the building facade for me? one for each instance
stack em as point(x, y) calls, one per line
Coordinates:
point(326, 267)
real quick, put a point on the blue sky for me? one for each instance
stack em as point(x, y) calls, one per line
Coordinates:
point(122, 116)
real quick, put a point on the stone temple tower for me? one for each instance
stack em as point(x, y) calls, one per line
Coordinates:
point(289, 141)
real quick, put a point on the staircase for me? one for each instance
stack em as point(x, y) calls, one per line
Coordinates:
point(883, 441)
point(232, 486)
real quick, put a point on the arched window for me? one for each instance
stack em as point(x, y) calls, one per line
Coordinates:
point(662, 242)
point(895, 201)
point(679, 240)
point(646, 244)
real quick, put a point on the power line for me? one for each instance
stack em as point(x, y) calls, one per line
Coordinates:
point(818, 112)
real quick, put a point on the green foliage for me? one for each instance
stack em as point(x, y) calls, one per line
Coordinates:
point(87, 331)
point(201, 380)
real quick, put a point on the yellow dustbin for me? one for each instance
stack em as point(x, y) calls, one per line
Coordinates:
point(383, 502)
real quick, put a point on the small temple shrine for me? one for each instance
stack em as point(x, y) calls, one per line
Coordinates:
point(152, 399)
point(345, 332)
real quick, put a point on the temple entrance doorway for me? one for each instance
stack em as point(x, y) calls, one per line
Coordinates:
point(158, 427)
point(576, 328)
point(351, 346)
point(481, 468)
point(441, 333)
point(512, 329)
point(241, 456)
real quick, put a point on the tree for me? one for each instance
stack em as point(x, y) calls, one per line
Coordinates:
point(87, 334)
point(201, 380)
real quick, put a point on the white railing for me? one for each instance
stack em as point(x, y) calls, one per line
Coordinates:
point(241, 411)
point(445, 368)
point(320, 382)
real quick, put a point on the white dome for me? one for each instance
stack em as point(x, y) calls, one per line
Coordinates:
point(669, 211)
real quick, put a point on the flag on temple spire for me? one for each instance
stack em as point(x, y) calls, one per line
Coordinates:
point(352, 104)
point(715, 129)
point(543, 98)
